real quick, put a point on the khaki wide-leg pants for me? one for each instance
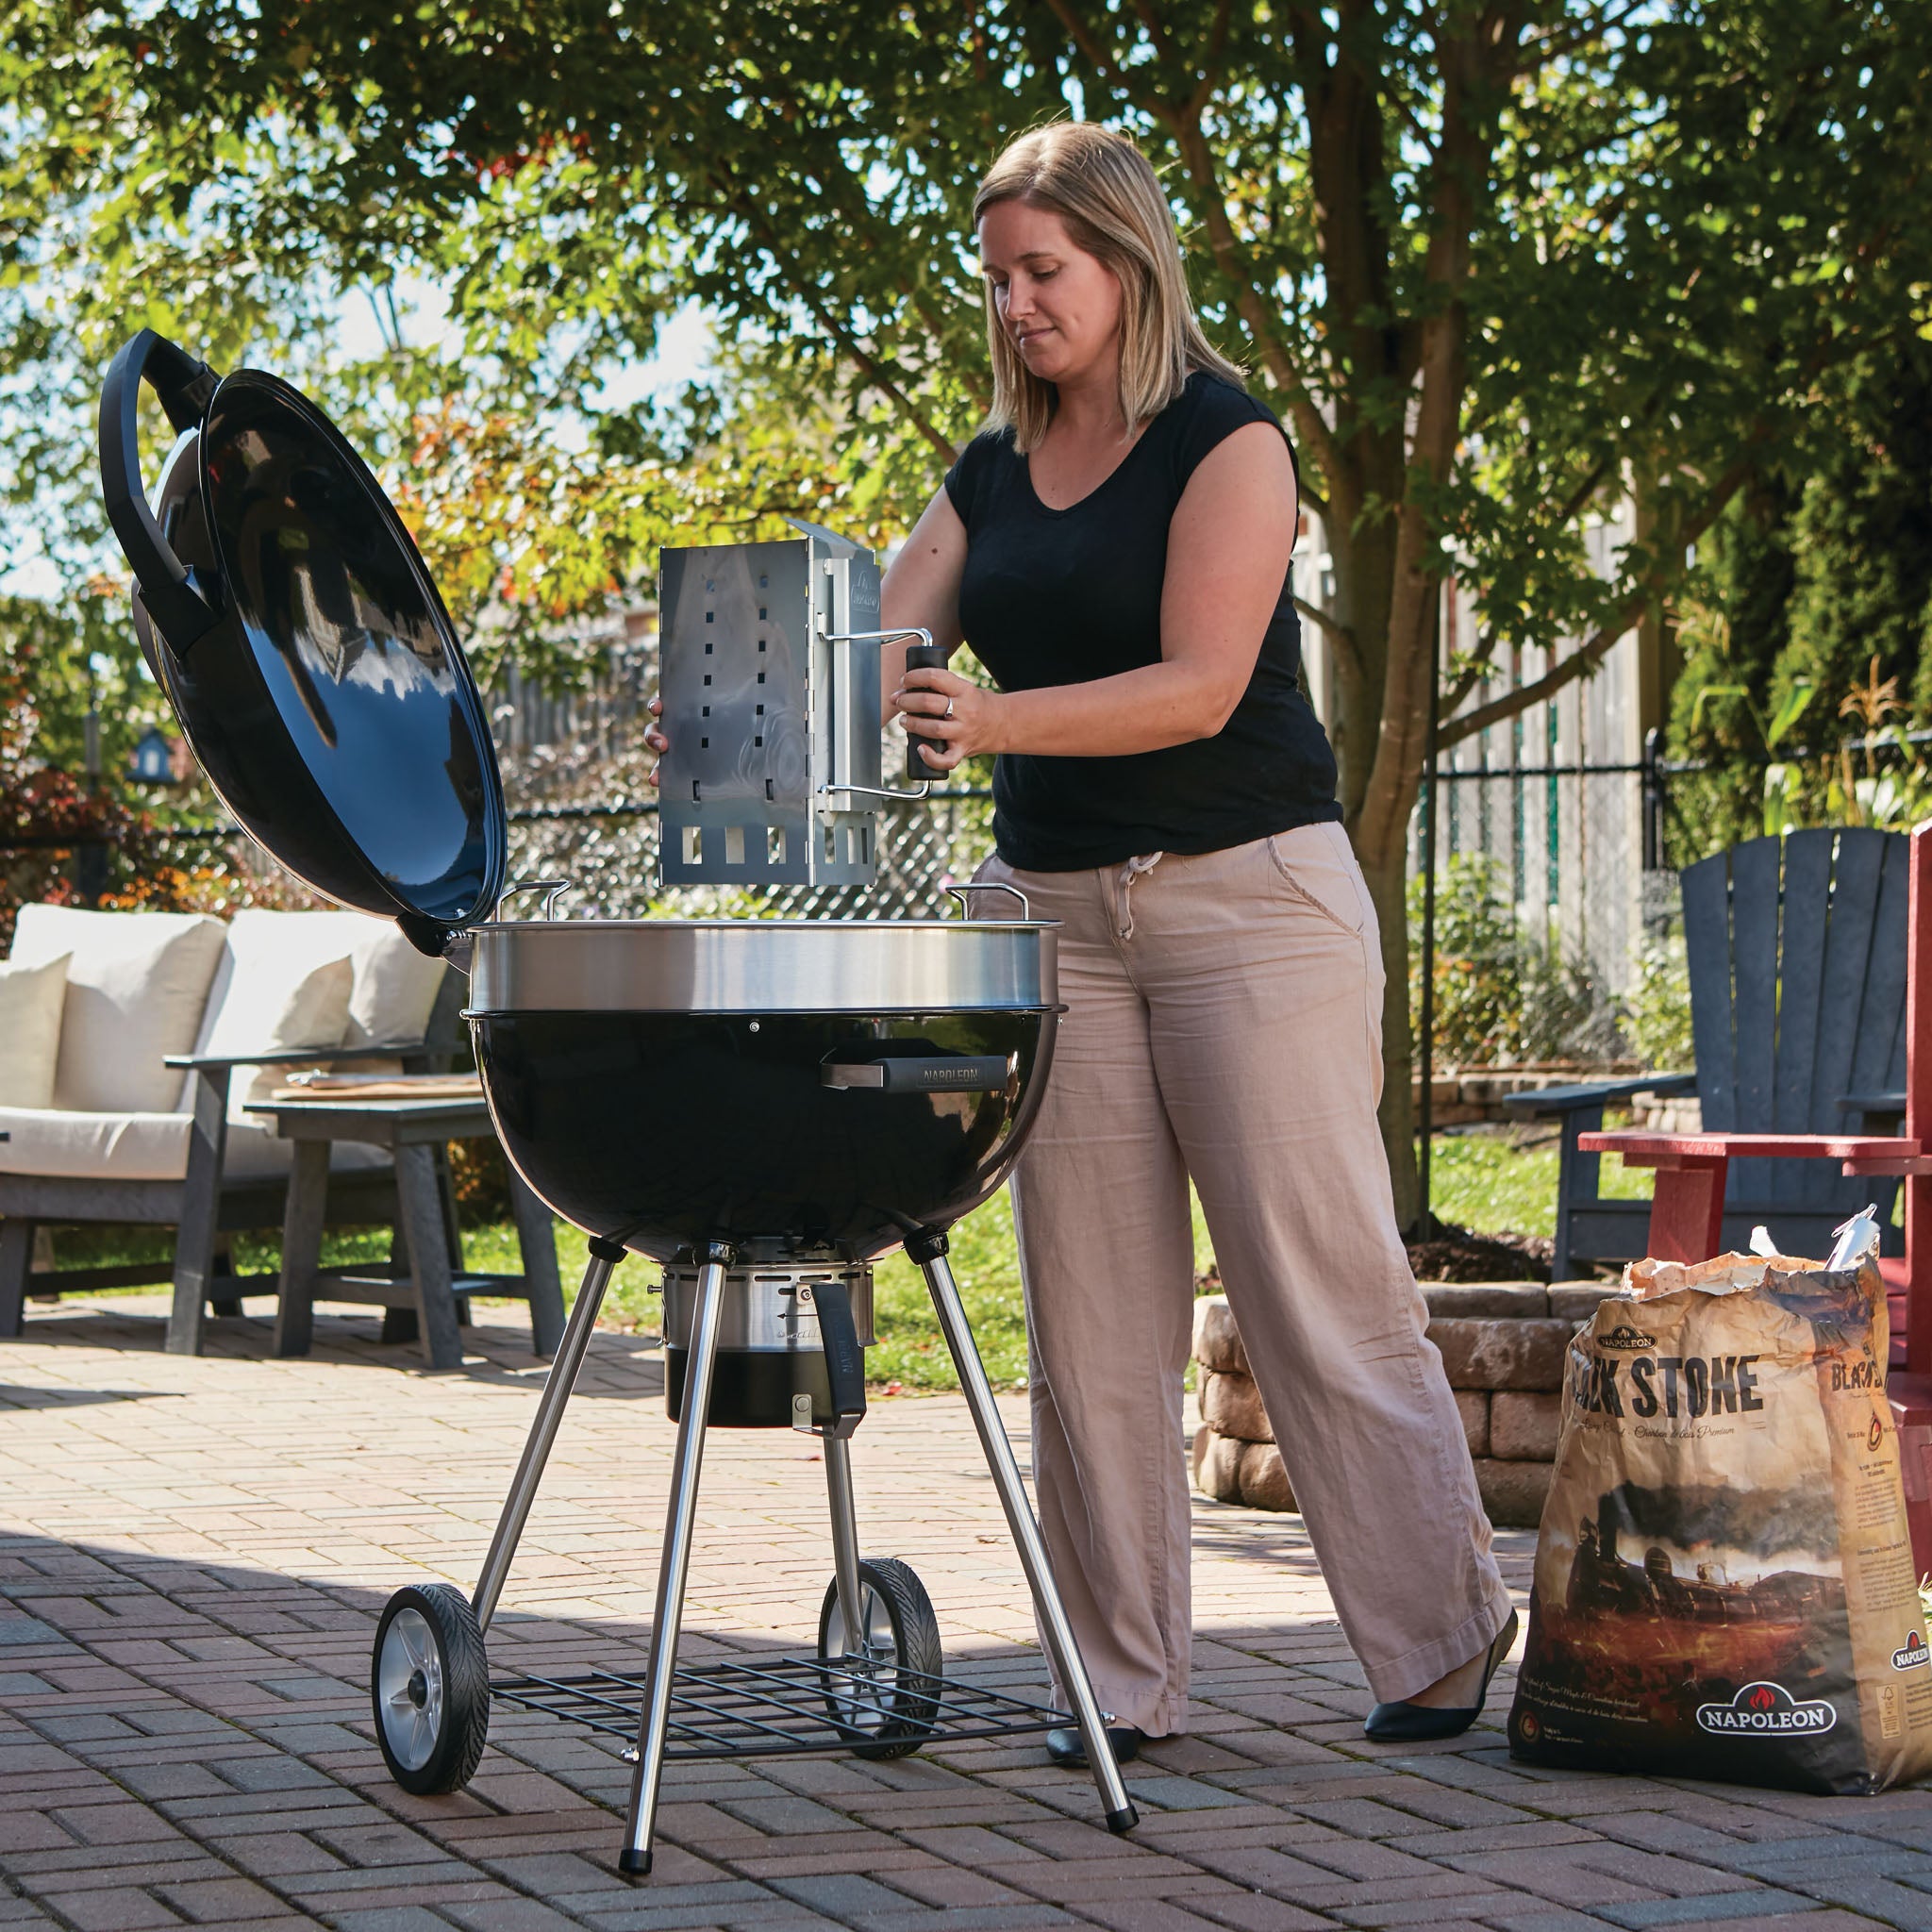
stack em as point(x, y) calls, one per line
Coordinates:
point(1223, 1022)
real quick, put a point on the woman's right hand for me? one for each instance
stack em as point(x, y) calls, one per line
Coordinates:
point(654, 739)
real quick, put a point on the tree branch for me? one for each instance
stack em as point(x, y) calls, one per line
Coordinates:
point(1311, 427)
point(1090, 49)
point(1333, 625)
point(1585, 659)
point(1183, 123)
point(1210, 68)
point(1540, 50)
point(1163, 45)
point(1342, 636)
point(875, 371)
point(1474, 670)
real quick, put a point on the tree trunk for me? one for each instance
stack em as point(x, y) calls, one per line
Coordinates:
point(1363, 556)
point(1388, 882)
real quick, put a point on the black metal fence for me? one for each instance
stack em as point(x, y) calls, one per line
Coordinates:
point(1579, 852)
point(608, 852)
point(611, 854)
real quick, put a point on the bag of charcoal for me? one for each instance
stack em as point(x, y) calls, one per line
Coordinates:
point(1724, 1582)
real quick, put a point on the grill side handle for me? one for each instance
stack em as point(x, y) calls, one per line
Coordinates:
point(961, 894)
point(928, 1074)
point(844, 1358)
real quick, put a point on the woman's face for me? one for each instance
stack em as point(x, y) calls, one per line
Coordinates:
point(1060, 306)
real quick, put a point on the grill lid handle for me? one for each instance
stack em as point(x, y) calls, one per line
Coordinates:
point(181, 606)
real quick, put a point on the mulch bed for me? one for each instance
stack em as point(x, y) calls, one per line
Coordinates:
point(1454, 1254)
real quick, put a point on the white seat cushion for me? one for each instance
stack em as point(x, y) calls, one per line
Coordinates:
point(147, 1147)
point(94, 1146)
point(285, 983)
point(136, 984)
point(31, 998)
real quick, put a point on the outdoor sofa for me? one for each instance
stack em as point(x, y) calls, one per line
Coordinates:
point(130, 1043)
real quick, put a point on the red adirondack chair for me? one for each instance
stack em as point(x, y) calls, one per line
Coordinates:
point(1687, 1210)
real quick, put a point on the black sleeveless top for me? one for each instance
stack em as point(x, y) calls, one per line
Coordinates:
point(1063, 596)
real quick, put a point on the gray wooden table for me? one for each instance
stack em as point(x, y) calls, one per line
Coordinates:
point(432, 1278)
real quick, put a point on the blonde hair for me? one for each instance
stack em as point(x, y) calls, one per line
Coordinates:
point(1106, 192)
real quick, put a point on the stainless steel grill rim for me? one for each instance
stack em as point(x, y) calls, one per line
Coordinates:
point(764, 966)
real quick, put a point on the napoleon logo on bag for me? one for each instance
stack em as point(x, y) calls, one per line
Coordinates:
point(1766, 1710)
point(1625, 1336)
point(1913, 1652)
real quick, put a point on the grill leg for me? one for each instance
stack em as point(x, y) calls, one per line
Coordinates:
point(653, 1719)
point(562, 1377)
point(929, 1251)
point(844, 1538)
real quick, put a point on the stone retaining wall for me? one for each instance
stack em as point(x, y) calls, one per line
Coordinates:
point(1503, 1344)
point(1460, 1096)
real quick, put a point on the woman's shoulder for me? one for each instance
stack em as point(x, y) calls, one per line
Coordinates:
point(1212, 397)
point(1206, 413)
point(975, 466)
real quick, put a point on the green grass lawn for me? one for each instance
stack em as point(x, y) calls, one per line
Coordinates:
point(1485, 1181)
point(1489, 1183)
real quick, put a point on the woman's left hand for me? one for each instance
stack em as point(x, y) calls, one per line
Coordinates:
point(957, 716)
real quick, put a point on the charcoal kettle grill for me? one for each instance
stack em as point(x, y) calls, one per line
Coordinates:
point(763, 1106)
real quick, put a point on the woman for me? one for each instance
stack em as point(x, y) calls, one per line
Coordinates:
point(1115, 546)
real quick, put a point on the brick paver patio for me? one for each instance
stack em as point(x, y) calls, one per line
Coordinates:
point(192, 1555)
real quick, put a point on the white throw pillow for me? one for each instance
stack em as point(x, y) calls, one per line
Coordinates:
point(30, 1002)
point(285, 983)
point(395, 985)
point(136, 988)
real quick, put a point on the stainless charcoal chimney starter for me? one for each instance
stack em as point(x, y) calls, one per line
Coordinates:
point(768, 677)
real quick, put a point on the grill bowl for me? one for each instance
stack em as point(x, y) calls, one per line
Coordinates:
point(662, 1083)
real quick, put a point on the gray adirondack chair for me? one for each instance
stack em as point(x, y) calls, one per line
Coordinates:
point(1796, 948)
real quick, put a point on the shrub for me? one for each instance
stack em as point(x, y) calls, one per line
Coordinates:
point(1477, 977)
point(1659, 1007)
point(1502, 994)
point(1568, 1013)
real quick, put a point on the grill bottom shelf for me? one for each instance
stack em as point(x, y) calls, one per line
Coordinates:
point(779, 1707)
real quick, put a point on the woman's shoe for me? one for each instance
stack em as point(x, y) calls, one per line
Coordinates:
point(1410, 1724)
point(1066, 1750)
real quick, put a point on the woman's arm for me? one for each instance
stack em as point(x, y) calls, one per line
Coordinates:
point(1227, 555)
point(921, 590)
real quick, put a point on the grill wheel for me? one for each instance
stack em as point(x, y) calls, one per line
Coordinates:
point(429, 1683)
point(901, 1639)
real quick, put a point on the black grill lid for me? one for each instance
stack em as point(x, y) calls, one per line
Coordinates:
point(315, 672)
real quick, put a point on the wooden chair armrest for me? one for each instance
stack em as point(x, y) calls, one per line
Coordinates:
point(1560, 1100)
point(297, 1055)
point(1641, 1148)
point(1875, 1113)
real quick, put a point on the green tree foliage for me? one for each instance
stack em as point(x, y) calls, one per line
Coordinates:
point(1818, 582)
point(1487, 258)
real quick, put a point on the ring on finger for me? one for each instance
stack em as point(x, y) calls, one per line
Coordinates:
point(948, 711)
